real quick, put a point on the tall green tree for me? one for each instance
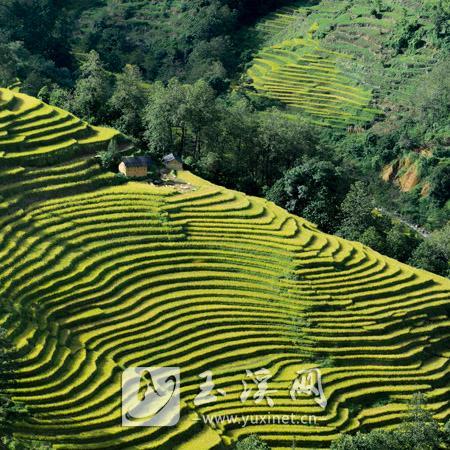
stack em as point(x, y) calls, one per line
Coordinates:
point(199, 116)
point(180, 117)
point(419, 431)
point(433, 253)
point(279, 143)
point(92, 90)
point(162, 116)
point(128, 101)
point(110, 158)
point(440, 183)
point(313, 190)
point(356, 212)
point(229, 160)
point(400, 242)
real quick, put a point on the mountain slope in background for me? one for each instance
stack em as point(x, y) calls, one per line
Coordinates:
point(374, 72)
point(319, 51)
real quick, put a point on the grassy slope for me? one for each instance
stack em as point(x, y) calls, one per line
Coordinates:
point(111, 277)
point(363, 57)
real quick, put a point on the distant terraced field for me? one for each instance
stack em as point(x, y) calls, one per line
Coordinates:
point(333, 62)
point(97, 278)
point(305, 76)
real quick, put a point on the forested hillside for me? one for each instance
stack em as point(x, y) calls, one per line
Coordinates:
point(165, 38)
point(345, 63)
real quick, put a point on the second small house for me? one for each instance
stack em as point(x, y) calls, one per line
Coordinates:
point(135, 166)
point(172, 162)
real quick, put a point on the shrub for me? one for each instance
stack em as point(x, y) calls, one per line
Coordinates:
point(110, 157)
point(252, 442)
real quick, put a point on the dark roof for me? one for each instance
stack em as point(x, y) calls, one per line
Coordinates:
point(137, 161)
point(171, 157)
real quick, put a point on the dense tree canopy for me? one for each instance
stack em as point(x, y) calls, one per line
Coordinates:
point(419, 431)
point(434, 253)
point(193, 39)
point(252, 442)
point(314, 190)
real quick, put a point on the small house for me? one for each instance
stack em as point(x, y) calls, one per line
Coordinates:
point(172, 162)
point(135, 166)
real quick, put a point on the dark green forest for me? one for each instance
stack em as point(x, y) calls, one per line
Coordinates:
point(168, 74)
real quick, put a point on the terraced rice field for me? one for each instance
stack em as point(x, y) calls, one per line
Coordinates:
point(279, 20)
point(350, 68)
point(33, 133)
point(98, 278)
point(305, 76)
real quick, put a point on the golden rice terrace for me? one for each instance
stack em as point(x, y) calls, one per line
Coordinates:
point(306, 77)
point(98, 277)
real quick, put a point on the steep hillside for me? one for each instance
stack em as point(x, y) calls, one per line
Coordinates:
point(35, 134)
point(42, 149)
point(165, 38)
point(306, 77)
point(99, 278)
point(347, 55)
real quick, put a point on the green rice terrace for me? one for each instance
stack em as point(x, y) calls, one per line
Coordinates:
point(117, 275)
point(36, 133)
point(335, 62)
point(305, 76)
